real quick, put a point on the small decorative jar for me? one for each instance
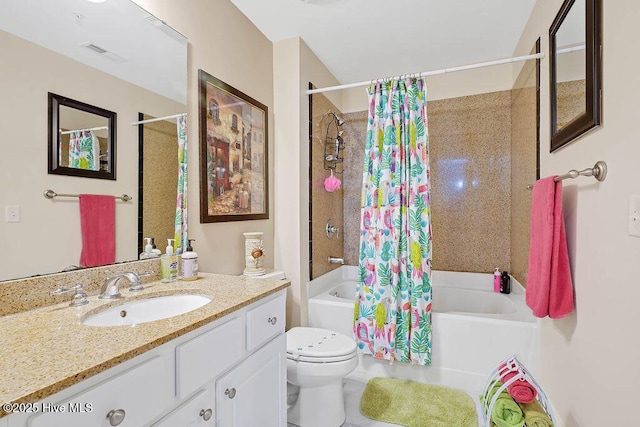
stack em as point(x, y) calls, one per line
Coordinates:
point(253, 254)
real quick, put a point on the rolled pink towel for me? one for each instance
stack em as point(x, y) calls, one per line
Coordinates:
point(521, 390)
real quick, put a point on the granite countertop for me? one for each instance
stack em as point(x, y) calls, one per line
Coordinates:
point(48, 349)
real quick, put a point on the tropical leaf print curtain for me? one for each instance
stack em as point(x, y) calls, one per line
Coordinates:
point(84, 150)
point(180, 243)
point(393, 302)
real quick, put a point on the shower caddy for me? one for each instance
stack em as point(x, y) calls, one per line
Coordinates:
point(511, 364)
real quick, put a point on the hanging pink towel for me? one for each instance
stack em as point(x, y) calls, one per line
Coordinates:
point(549, 286)
point(98, 224)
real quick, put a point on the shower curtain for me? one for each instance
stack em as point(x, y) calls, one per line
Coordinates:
point(84, 150)
point(180, 243)
point(392, 316)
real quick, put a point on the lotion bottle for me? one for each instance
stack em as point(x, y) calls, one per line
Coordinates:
point(156, 252)
point(189, 263)
point(169, 264)
point(497, 280)
point(148, 249)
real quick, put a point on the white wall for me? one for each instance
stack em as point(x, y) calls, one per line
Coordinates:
point(224, 43)
point(47, 238)
point(589, 360)
point(295, 66)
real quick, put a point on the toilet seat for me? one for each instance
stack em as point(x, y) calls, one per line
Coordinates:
point(316, 345)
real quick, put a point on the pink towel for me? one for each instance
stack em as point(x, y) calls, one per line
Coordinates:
point(521, 390)
point(98, 224)
point(549, 287)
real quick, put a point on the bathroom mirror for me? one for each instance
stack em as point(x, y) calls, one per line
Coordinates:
point(82, 139)
point(113, 55)
point(575, 70)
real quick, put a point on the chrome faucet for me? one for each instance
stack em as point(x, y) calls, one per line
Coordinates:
point(111, 288)
point(335, 260)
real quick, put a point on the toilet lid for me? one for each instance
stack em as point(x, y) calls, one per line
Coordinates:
point(319, 345)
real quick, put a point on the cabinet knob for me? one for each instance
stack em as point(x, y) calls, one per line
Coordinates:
point(272, 320)
point(116, 416)
point(231, 392)
point(206, 414)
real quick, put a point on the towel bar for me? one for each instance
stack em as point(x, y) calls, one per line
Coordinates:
point(598, 171)
point(50, 194)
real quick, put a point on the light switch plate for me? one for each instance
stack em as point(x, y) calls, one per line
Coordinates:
point(12, 213)
point(634, 215)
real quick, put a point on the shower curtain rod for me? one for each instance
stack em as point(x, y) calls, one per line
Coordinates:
point(432, 73)
point(158, 119)
point(67, 132)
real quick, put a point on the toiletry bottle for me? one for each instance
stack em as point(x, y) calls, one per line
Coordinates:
point(189, 263)
point(169, 264)
point(156, 252)
point(505, 283)
point(496, 280)
point(148, 249)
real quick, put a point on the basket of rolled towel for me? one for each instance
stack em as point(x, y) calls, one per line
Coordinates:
point(512, 398)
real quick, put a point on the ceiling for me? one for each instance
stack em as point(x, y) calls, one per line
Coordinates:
point(360, 40)
point(140, 48)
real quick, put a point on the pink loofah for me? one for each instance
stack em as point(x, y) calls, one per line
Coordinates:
point(331, 183)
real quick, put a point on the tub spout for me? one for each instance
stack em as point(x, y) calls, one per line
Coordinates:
point(336, 260)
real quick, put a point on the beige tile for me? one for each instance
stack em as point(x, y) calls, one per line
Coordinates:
point(325, 205)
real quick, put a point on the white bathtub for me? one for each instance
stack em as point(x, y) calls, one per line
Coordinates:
point(474, 328)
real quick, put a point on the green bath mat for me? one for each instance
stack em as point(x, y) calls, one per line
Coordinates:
point(413, 404)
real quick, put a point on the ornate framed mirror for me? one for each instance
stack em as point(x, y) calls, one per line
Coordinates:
point(82, 139)
point(575, 60)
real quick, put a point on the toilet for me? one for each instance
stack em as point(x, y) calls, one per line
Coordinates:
point(317, 361)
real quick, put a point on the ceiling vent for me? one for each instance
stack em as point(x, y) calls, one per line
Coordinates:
point(104, 53)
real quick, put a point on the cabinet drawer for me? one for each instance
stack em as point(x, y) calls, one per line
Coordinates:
point(141, 393)
point(265, 322)
point(204, 357)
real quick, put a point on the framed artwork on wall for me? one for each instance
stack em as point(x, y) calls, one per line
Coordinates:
point(234, 180)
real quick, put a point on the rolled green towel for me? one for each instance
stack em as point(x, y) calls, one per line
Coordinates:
point(535, 415)
point(506, 412)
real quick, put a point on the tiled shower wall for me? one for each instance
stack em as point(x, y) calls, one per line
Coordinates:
point(483, 154)
point(324, 205)
point(470, 157)
point(160, 174)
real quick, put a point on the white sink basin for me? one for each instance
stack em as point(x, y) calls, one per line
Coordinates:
point(146, 310)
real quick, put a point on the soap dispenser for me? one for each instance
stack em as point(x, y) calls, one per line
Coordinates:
point(155, 250)
point(148, 249)
point(169, 264)
point(189, 263)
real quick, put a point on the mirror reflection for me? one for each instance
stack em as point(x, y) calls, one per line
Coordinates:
point(143, 69)
point(82, 139)
point(91, 154)
point(571, 87)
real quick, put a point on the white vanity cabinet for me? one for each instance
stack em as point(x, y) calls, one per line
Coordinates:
point(182, 383)
point(254, 392)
